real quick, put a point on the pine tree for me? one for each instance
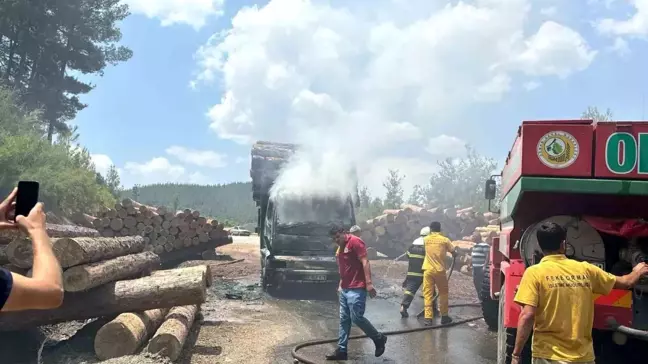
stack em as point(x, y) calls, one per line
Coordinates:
point(393, 185)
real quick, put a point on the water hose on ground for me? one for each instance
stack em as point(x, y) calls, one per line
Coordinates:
point(301, 359)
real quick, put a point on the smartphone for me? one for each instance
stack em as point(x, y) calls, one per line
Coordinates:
point(27, 197)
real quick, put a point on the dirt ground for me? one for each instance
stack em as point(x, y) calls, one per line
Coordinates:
point(238, 323)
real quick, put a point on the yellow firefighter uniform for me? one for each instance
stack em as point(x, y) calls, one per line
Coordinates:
point(434, 272)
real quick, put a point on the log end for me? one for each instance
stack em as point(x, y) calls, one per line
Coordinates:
point(165, 344)
point(116, 338)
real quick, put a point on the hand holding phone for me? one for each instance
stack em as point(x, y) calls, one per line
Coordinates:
point(7, 211)
point(27, 197)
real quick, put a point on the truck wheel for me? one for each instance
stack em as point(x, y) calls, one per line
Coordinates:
point(489, 306)
point(506, 338)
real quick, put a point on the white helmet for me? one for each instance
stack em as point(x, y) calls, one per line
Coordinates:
point(425, 231)
point(354, 228)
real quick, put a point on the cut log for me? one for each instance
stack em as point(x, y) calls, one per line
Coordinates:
point(172, 334)
point(127, 333)
point(53, 231)
point(116, 224)
point(203, 269)
point(75, 251)
point(181, 288)
point(82, 219)
point(87, 276)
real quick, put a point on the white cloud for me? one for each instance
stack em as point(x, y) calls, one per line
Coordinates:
point(620, 47)
point(158, 169)
point(531, 85)
point(444, 146)
point(635, 25)
point(240, 160)
point(296, 64)
point(202, 158)
point(191, 12)
point(102, 163)
point(364, 82)
point(549, 11)
point(555, 50)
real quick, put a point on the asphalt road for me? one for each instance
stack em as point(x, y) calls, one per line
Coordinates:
point(470, 343)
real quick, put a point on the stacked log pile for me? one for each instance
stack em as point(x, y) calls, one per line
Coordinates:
point(392, 232)
point(106, 276)
point(163, 230)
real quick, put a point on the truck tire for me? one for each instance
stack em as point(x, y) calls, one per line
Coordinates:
point(489, 306)
point(506, 338)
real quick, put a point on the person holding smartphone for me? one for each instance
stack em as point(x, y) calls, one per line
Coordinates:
point(44, 290)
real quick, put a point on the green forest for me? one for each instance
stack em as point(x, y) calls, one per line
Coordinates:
point(229, 203)
point(43, 45)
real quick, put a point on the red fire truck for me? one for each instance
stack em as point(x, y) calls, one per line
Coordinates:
point(592, 178)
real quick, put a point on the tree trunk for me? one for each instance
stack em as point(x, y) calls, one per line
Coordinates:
point(181, 288)
point(53, 231)
point(203, 269)
point(84, 220)
point(87, 276)
point(75, 251)
point(125, 334)
point(171, 336)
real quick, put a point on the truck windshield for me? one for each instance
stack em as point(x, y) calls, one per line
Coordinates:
point(313, 213)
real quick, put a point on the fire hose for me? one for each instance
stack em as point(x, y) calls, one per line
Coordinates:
point(301, 359)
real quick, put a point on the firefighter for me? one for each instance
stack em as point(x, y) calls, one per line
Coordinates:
point(434, 272)
point(414, 279)
point(557, 299)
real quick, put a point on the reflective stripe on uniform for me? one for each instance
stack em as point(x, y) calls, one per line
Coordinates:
point(409, 293)
point(415, 274)
point(410, 255)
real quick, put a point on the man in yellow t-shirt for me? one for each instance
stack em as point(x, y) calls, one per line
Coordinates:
point(557, 296)
point(434, 272)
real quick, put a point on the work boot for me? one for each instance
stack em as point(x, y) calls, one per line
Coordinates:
point(380, 345)
point(403, 312)
point(445, 320)
point(337, 355)
point(428, 322)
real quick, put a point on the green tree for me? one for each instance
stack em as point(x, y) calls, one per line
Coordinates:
point(113, 181)
point(417, 197)
point(393, 185)
point(44, 43)
point(593, 113)
point(365, 197)
point(135, 192)
point(68, 178)
point(460, 181)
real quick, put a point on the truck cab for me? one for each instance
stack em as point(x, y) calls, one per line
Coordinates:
point(295, 245)
point(295, 242)
point(592, 179)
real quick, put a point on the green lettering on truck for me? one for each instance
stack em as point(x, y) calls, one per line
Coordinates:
point(621, 153)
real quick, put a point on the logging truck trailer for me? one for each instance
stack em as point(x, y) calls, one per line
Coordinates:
point(592, 178)
point(295, 245)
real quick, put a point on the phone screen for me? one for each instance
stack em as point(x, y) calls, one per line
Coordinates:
point(27, 197)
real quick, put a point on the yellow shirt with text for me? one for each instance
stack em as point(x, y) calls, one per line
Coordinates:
point(437, 247)
point(563, 292)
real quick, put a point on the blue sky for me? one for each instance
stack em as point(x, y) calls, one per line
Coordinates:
point(384, 84)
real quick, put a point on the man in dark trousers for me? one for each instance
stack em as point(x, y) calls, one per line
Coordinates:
point(414, 279)
point(355, 283)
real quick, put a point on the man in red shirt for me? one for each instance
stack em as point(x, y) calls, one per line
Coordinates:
point(355, 283)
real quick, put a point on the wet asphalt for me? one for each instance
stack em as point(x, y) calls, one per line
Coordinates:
point(470, 343)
